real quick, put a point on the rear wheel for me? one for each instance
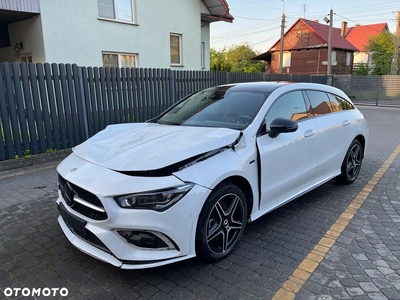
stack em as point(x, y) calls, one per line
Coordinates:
point(221, 222)
point(352, 162)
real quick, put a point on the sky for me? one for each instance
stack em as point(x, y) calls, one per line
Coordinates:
point(258, 22)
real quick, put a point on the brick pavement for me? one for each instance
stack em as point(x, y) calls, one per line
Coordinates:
point(362, 264)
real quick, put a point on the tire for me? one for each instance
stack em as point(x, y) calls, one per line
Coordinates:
point(352, 162)
point(221, 222)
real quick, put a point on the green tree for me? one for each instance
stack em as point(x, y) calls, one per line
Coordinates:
point(381, 47)
point(361, 69)
point(218, 61)
point(237, 58)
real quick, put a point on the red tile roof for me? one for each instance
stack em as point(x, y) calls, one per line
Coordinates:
point(322, 30)
point(356, 37)
point(359, 35)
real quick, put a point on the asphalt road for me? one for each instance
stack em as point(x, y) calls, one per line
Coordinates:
point(362, 262)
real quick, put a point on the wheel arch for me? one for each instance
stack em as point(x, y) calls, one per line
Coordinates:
point(245, 186)
point(361, 139)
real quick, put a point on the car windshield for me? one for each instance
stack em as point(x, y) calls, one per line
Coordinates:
point(216, 107)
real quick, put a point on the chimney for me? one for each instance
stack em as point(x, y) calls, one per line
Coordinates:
point(343, 29)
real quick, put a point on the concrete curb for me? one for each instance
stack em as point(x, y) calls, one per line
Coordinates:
point(36, 159)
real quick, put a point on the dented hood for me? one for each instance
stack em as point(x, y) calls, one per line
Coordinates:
point(149, 146)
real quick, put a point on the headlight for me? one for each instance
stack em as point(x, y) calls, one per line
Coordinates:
point(156, 200)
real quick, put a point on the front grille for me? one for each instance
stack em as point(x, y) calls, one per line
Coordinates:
point(88, 212)
point(77, 227)
point(68, 190)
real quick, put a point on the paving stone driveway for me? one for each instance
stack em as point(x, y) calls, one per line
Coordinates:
point(362, 264)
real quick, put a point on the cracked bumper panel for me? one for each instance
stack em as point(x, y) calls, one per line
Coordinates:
point(101, 239)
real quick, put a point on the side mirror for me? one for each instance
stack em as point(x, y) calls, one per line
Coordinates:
point(281, 125)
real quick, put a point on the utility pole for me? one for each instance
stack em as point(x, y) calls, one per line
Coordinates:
point(329, 68)
point(282, 39)
point(395, 58)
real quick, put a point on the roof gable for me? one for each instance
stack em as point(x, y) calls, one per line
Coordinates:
point(322, 32)
point(359, 35)
point(338, 41)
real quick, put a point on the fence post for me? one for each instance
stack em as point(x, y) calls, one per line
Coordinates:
point(227, 78)
point(82, 92)
point(172, 86)
point(379, 89)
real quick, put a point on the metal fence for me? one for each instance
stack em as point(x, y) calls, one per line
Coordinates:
point(46, 107)
point(371, 90)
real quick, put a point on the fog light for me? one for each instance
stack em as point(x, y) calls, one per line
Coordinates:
point(148, 239)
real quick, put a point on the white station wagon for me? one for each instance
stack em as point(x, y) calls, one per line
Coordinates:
point(186, 183)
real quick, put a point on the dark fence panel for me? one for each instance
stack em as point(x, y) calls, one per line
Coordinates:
point(37, 110)
point(55, 106)
point(6, 144)
point(245, 77)
point(277, 77)
point(59, 111)
point(371, 90)
point(323, 79)
point(23, 130)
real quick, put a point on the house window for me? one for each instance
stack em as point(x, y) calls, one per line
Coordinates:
point(202, 54)
point(119, 60)
point(121, 10)
point(287, 59)
point(26, 58)
point(176, 49)
point(333, 56)
point(348, 58)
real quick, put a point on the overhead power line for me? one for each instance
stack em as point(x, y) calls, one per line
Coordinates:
point(366, 14)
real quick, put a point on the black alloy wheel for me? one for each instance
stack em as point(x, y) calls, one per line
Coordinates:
point(352, 162)
point(221, 222)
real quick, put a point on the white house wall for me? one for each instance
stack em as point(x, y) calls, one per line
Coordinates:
point(361, 57)
point(72, 32)
point(205, 38)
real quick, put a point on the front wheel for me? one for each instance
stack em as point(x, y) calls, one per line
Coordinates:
point(352, 162)
point(221, 222)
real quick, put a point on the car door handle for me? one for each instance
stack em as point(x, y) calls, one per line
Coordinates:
point(346, 123)
point(309, 133)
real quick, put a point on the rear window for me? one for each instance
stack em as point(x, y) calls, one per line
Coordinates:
point(339, 104)
point(319, 102)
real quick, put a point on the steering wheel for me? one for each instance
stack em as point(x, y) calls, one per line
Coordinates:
point(243, 119)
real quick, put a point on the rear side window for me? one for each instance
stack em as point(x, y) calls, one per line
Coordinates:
point(339, 104)
point(320, 102)
point(289, 106)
